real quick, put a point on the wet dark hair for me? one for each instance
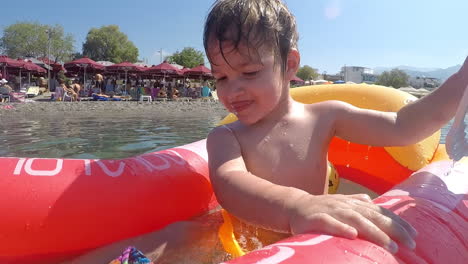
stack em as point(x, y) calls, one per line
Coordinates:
point(252, 22)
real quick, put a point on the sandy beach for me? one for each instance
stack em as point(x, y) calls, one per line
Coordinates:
point(39, 109)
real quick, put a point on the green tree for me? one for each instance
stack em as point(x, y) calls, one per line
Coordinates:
point(24, 39)
point(307, 73)
point(76, 55)
point(188, 57)
point(395, 78)
point(108, 43)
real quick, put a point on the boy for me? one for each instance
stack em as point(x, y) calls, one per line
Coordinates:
point(269, 167)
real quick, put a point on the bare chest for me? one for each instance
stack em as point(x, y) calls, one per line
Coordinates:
point(291, 155)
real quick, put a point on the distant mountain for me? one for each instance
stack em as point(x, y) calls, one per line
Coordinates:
point(438, 73)
point(379, 70)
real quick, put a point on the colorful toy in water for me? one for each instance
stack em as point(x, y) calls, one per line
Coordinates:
point(53, 209)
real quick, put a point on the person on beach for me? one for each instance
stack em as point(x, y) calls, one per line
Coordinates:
point(269, 168)
point(68, 90)
point(99, 82)
point(76, 86)
point(5, 90)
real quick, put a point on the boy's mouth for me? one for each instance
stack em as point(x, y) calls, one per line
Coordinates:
point(239, 106)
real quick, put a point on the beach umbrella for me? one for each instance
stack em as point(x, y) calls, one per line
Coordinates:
point(83, 64)
point(29, 67)
point(320, 82)
point(126, 67)
point(164, 69)
point(296, 79)
point(105, 63)
point(6, 62)
point(25, 66)
point(55, 66)
point(201, 71)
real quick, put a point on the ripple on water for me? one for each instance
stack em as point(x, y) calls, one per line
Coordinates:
point(99, 137)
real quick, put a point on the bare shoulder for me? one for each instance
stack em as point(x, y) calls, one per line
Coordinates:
point(223, 147)
point(221, 136)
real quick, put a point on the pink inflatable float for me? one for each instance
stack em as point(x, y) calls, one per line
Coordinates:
point(434, 200)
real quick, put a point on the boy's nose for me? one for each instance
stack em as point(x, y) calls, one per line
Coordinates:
point(236, 88)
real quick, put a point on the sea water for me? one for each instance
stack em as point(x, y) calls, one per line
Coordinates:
point(99, 137)
point(103, 138)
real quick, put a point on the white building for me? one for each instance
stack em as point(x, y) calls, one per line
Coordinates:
point(424, 82)
point(358, 74)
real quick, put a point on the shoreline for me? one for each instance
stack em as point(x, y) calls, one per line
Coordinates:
point(52, 109)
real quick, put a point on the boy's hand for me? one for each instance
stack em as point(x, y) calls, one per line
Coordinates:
point(351, 216)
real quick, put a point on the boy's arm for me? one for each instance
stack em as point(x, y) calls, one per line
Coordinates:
point(411, 124)
point(288, 209)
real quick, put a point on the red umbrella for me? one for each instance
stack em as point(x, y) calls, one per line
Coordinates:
point(6, 62)
point(56, 67)
point(164, 69)
point(126, 67)
point(199, 71)
point(297, 79)
point(29, 67)
point(83, 63)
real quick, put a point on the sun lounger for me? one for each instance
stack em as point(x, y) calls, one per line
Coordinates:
point(33, 91)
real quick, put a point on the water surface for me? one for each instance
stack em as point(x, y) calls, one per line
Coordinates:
point(104, 138)
point(101, 137)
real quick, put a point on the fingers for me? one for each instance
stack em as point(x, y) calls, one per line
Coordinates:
point(407, 226)
point(386, 221)
point(391, 227)
point(324, 223)
point(362, 197)
point(367, 229)
point(350, 216)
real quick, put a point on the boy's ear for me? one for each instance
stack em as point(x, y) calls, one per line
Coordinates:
point(292, 64)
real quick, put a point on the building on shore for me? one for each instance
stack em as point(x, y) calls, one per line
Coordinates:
point(331, 77)
point(424, 82)
point(358, 74)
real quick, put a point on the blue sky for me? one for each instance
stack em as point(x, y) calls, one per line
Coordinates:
point(333, 33)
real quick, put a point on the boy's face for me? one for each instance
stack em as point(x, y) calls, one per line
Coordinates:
point(249, 86)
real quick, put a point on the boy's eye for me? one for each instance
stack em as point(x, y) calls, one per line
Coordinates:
point(250, 74)
point(220, 79)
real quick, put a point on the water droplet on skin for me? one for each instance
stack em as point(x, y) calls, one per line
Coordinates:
point(347, 165)
point(291, 145)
